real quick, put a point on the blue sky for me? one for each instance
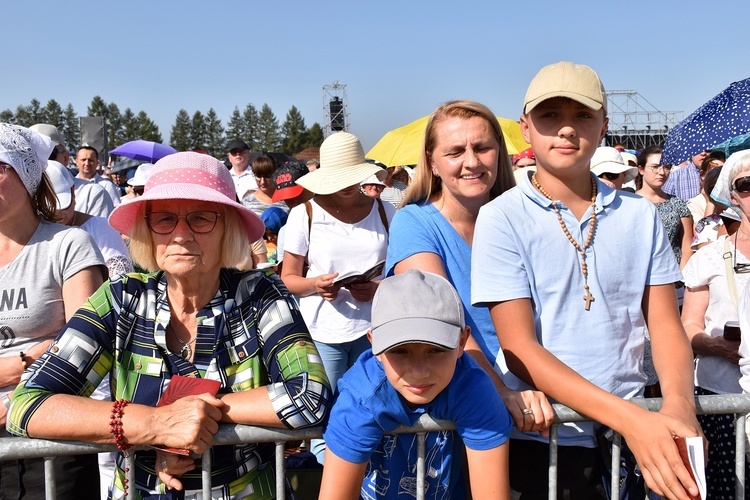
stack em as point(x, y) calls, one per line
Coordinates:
point(398, 59)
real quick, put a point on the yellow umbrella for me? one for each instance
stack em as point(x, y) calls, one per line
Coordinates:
point(401, 146)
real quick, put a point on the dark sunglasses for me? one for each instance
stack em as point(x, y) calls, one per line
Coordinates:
point(742, 185)
point(610, 176)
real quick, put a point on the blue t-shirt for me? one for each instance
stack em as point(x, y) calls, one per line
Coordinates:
point(367, 406)
point(520, 251)
point(419, 228)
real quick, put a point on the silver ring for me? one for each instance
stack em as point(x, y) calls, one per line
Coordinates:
point(164, 464)
point(527, 411)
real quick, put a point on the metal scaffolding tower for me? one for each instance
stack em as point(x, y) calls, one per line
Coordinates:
point(336, 108)
point(635, 122)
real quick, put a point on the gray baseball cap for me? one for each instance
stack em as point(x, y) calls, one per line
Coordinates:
point(416, 307)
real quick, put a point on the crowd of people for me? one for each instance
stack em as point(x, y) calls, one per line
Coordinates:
point(474, 286)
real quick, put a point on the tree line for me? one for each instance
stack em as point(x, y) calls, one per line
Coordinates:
point(259, 129)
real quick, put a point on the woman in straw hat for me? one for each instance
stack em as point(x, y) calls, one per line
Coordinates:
point(462, 166)
point(340, 231)
point(46, 272)
point(193, 316)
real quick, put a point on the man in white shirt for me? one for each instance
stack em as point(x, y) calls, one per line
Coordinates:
point(87, 161)
point(242, 173)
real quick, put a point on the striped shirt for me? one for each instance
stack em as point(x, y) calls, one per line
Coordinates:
point(250, 334)
point(684, 182)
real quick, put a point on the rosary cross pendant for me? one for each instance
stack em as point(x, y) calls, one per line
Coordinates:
point(589, 299)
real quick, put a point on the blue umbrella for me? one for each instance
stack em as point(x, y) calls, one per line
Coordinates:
point(723, 117)
point(737, 143)
point(143, 150)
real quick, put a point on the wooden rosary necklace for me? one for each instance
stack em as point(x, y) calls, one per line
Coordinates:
point(588, 298)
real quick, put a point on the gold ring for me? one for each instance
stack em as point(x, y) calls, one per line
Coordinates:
point(527, 411)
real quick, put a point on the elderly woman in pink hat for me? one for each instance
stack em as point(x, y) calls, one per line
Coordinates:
point(193, 315)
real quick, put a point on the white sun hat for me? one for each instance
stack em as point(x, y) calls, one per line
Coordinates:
point(342, 164)
point(609, 160)
point(141, 174)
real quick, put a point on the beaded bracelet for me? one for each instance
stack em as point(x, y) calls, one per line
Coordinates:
point(115, 428)
point(115, 423)
point(23, 360)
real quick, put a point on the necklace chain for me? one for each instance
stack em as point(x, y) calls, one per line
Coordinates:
point(452, 223)
point(185, 352)
point(588, 298)
point(356, 211)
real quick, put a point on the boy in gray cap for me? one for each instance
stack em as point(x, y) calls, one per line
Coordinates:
point(417, 365)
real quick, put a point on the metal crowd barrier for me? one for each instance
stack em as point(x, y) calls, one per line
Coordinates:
point(12, 448)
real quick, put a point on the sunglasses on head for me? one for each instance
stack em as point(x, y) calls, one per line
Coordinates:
point(742, 185)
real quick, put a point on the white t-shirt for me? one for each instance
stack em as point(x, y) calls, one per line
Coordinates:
point(707, 268)
point(244, 182)
point(335, 246)
point(31, 301)
point(92, 199)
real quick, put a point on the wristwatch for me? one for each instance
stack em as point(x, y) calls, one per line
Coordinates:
point(6, 401)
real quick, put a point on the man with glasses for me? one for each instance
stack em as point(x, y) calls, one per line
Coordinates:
point(242, 174)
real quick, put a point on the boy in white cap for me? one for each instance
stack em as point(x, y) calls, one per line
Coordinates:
point(417, 365)
point(571, 292)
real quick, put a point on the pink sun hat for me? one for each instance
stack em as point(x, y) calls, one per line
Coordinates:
point(188, 176)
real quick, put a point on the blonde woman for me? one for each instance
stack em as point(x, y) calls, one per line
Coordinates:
point(463, 165)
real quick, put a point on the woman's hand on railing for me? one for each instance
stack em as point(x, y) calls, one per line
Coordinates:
point(531, 410)
point(170, 466)
point(189, 423)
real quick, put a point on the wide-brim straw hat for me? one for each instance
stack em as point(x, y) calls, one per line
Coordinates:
point(188, 176)
point(342, 164)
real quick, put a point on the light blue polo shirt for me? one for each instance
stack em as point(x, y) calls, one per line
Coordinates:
point(520, 251)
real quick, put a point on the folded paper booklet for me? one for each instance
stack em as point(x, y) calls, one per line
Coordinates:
point(180, 387)
point(353, 278)
point(691, 451)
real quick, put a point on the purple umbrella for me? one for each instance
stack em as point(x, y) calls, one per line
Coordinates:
point(143, 150)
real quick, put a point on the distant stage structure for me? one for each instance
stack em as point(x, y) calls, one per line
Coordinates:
point(336, 108)
point(636, 123)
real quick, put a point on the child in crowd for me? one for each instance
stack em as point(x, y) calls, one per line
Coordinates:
point(417, 366)
point(274, 219)
point(572, 272)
